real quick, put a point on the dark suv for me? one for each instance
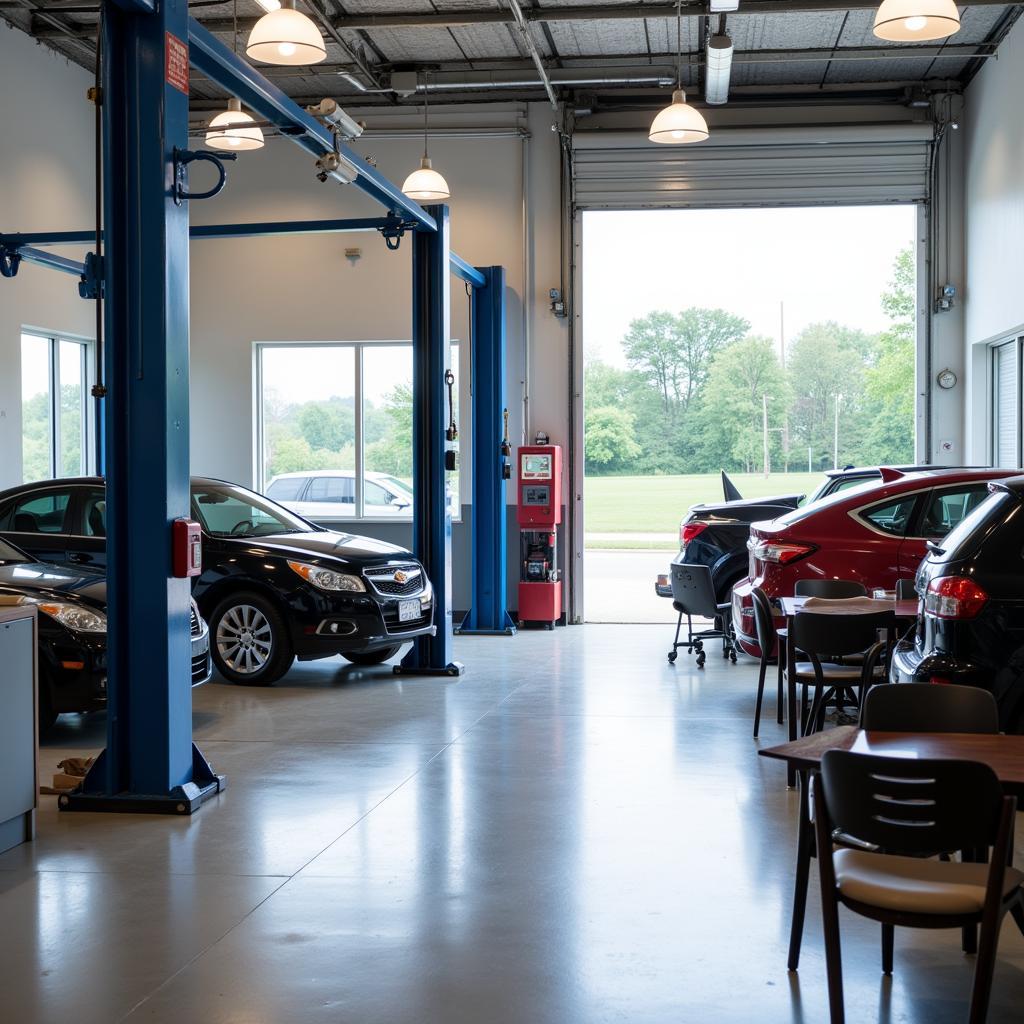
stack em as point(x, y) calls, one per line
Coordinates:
point(716, 535)
point(970, 627)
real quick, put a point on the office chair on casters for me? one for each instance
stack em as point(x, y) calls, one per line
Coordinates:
point(693, 593)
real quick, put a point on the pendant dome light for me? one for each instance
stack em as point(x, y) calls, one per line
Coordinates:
point(426, 185)
point(914, 21)
point(287, 37)
point(678, 123)
point(234, 139)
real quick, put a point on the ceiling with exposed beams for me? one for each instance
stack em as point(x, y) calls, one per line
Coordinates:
point(606, 53)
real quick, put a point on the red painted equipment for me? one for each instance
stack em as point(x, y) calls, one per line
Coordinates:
point(539, 513)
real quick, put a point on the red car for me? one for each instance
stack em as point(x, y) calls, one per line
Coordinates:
point(876, 533)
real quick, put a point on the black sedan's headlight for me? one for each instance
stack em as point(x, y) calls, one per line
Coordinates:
point(75, 617)
point(327, 579)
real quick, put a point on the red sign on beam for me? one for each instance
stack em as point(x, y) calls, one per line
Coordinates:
point(176, 63)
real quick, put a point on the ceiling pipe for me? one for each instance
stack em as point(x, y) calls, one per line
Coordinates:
point(524, 31)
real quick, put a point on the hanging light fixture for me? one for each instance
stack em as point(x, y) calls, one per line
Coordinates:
point(678, 123)
point(286, 36)
point(236, 139)
point(913, 21)
point(426, 185)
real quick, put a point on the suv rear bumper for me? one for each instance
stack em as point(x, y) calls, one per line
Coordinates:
point(909, 665)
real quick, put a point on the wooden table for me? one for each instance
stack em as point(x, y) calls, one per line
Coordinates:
point(904, 611)
point(1003, 754)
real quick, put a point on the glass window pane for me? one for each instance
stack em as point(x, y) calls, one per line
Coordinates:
point(1005, 416)
point(948, 509)
point(36, 442)
point(308, 415)
point(892, 517)
point(41, 514)
point(72, 401)
point(387, 430)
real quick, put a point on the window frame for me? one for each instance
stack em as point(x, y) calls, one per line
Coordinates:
point(360, 347)
point(54, 340)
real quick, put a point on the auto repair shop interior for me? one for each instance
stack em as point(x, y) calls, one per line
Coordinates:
point(307, 713)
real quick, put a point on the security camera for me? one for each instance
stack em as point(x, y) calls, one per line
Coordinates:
point(334, 165)
point(344, 125)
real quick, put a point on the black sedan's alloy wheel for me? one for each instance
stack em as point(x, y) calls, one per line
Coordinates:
point(250, 640)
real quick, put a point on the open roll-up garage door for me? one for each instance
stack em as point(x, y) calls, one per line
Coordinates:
point(801, 166)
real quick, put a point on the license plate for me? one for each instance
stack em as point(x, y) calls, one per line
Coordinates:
point(408, 610)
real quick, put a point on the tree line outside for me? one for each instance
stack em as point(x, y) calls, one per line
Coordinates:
point(698, 386)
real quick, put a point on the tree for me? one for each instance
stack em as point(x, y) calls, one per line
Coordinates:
point(673, 352)
point(611, 441)
point(392, 452)
point(731, 424)
point(826, 360)
point(889, 383)
point(330, 425)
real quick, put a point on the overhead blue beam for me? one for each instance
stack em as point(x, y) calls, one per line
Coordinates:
point(231, 72)
point(468, 273)
point(459, 266)
point(43, 258)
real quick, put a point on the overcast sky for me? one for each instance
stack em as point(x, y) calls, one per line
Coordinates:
point(822, 263)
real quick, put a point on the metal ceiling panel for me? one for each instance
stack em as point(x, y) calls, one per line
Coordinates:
point(784, 31)
point(415, 44)
point(663, 34)
point(486, 42)
point(578, 38)
point(778, 73)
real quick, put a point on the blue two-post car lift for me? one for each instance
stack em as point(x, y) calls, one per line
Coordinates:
point(150, 763)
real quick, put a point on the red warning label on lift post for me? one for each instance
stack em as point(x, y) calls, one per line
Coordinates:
point(176, 64)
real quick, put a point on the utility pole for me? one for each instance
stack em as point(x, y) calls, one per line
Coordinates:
point(835, 452)
point(764, 422)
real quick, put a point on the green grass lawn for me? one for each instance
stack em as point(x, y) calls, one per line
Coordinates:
point(655, 504)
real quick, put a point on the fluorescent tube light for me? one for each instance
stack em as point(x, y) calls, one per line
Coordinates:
point(270, 5)
point(719, 68)
point(721, 6)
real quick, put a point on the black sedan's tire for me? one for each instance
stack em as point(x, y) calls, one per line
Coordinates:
point(371, 657)
point(249, 640)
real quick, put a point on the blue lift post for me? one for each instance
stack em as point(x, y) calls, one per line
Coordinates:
point(488, 611)
point(150, 763)
point(431, 515)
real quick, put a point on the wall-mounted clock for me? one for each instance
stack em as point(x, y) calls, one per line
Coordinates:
point(946, 379)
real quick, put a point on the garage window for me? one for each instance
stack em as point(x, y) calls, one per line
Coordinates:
point(54, 436)
point(1006, 403)
point(334, 428)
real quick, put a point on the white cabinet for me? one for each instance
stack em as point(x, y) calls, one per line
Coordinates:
point(18, 725)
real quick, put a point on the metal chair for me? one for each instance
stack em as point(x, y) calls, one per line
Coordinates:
point(926, 707)
point(693, 593)
point(823, 637)
point(768, 639)
point(910, 809)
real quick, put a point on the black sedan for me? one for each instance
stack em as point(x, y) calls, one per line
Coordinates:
point(970, 626)
point(273, 587)
point(72, 606)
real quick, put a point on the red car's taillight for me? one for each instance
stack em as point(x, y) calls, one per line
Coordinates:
point(780, 552)
point(687, 531)
point(954, 597)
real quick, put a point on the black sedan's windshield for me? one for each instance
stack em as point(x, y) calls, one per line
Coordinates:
point(226, 510)
point(10, 555)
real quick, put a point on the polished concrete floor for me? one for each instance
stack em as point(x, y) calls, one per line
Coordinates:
point(573, 832)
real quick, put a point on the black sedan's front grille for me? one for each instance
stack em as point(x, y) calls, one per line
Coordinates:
point(392, 625)
point(194, 626)
point(382, 579)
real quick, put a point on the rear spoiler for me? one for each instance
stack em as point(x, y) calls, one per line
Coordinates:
point(729, 489)
point(889, 474)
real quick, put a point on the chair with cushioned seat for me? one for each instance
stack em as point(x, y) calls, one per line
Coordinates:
point(911, 809)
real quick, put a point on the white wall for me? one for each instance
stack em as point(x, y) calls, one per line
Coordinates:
point(994, 299)
point(301, 288)
point(46, 174)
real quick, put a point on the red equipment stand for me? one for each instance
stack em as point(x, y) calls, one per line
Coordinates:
point(539, 513)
